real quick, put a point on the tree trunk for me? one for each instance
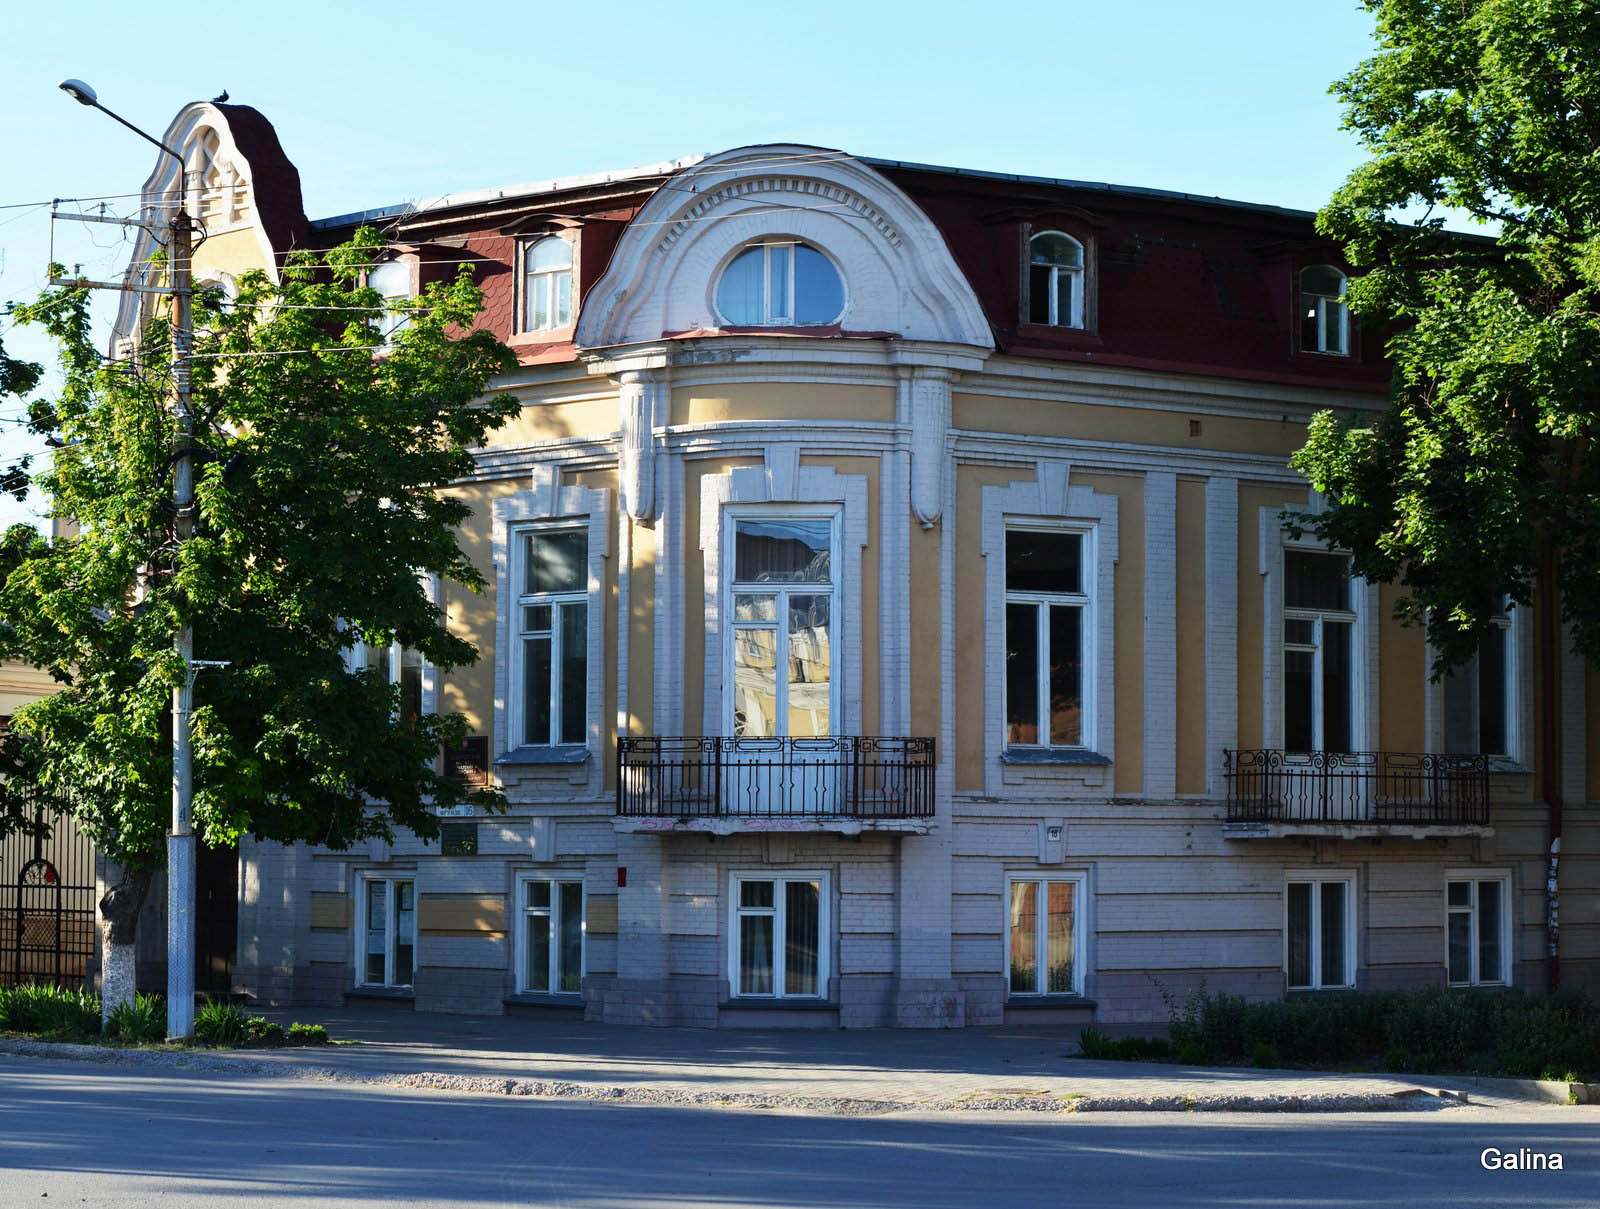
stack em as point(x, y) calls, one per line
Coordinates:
point(119, 920)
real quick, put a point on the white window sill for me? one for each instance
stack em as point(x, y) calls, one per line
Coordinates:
point(570, 753)
point(1053, 755)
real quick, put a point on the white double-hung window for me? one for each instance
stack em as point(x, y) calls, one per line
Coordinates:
point(1049, 624)
point(1318, 652)
point(546, 284)
point(386, 931)
point(550, 955)
point(549, 660)
point(1477, 928)
point(1320, 928)
point(1055, 280)
point(779, 934)
point(1324, 317)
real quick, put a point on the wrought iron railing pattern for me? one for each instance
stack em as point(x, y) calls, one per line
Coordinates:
point(1266, 785)
point(856, 776)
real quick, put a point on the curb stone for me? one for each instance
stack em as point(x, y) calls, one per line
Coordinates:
point(228, 1063)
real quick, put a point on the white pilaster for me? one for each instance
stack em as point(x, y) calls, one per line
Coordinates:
point(1222, 625)
point(1160, 635)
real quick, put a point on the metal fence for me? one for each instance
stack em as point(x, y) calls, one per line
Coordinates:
point(713, 776)
point(47, 902)
point(1426, 788)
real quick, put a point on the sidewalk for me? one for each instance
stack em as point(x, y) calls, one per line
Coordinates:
point(876, 1070)
point(859, 1072)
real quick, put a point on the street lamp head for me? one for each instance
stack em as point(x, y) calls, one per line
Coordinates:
point(79, 92)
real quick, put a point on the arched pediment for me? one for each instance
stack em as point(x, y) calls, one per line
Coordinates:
point(899, 276)
point(218, 189)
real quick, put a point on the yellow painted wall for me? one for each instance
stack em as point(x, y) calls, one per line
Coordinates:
point(557, 422)
point(1402, 679)
point(694, 589)
point(926, 620)
point(781, 401)
point(233, 253)
point(969, 689)
point(1144, 426)
point(20, 684)
point(1253, 498)
point(1193, 757)
point(641, 633)
point(1128, 633)
point(470, 690)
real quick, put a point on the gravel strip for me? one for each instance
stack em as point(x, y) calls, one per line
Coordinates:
point(237, 1064)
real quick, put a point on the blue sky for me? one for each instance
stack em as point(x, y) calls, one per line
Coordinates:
point(384, 104)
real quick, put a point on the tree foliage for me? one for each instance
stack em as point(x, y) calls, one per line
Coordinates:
point(1486, 455)
point(321, 450)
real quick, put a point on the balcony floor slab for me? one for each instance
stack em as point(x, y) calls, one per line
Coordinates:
point(756, 824)
point(1351, 831)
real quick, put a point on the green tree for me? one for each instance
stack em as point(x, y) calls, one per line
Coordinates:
point(1481, 479)
point(322, 444)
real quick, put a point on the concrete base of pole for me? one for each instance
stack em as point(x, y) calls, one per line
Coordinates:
point(180, 936)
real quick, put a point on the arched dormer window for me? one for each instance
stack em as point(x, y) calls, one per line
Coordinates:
point(1324, 318)
point(1055, 280)
point(546, 284)
point(780, 283)
point(392, 280)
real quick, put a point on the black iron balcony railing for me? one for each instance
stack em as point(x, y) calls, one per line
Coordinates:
point(854, 776)
point(1359, 787)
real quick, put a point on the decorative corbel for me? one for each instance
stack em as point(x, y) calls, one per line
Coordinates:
point(640, 395)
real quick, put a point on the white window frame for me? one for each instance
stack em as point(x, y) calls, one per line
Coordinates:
point(1472, 877)
point(1080, 914)
point(777, 912)
point(786, 316)
point(1323, 346)
point(1511, 620)
point(1317, 878)
point(391, 322)
point(1273, 541)
point(516, 635)
point(544, 279)
point(393, 655)
point(1084, 600)
point(1078, 275)
point(1318, 649)
point(526, 912)
point(391, 916)
point(833, 514)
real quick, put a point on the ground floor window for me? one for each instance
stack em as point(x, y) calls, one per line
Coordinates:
point(386, 929)
point(779, 935)
point(550, 953)
point(1320, 932)
point(1043, 945)
point(1477, 928)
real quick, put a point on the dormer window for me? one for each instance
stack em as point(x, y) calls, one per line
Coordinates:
point(780, 283)
point(1324, 318)
point(546, 284)
point(392, 280)
point(1055, 280)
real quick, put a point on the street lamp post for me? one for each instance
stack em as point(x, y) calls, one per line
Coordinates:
point(180, 842)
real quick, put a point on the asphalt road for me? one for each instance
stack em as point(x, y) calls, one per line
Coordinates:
point(80, 1134)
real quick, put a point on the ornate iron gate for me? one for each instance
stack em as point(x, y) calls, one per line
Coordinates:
point(47, 903)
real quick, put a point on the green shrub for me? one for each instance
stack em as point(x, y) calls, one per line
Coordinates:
point(1421, 1031)
point(1265, 1055)
point(221, 1024)
point(307, 1034)
point(1092, 1043)
point(262, 1031)
point(50, 1010)
point(145, 1019)
point(1192, 1053)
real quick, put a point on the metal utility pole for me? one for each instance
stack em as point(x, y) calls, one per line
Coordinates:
point(180, 842)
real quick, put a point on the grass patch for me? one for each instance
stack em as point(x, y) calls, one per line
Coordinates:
point(55, 1014)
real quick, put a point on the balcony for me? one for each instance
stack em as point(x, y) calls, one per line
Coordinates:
point(1355, 793)
point(843, 783)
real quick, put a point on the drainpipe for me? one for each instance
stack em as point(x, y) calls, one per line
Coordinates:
point(1550, 752)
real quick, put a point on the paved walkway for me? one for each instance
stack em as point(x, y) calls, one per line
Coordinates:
point(973, 1068)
